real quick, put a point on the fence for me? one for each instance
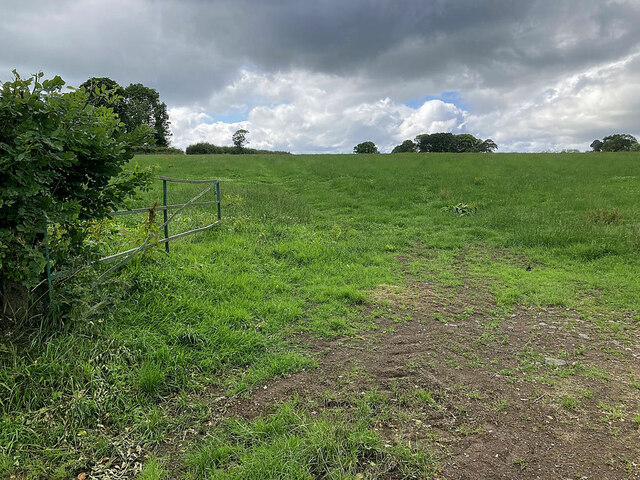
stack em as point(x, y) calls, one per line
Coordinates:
point(165, 207)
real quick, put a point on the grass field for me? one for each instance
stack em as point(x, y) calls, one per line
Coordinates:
point(256, 349)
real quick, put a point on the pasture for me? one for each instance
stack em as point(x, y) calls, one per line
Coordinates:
point(353, 316)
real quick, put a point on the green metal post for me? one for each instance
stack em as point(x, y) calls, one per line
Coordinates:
point(166, 225)
point(46, 250)
point(218, 198)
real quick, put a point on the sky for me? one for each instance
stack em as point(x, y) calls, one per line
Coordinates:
point(320, 76)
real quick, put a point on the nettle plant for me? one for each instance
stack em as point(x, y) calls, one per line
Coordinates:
point(62, 163)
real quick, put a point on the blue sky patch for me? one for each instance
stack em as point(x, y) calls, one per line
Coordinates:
point(233, 117)
point(447, 97)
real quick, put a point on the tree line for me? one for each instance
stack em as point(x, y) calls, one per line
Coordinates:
point(239, 139)
point(442, 142)
point(618, 142)
point(205, 148)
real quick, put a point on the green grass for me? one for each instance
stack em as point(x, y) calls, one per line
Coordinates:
point(292, 444)
point(303, 239)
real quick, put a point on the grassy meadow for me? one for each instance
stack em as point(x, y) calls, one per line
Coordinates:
point(303, 242)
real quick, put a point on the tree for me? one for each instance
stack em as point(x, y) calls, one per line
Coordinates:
point(406, 146)
point(135, 105)
point(239, 139)
point(448, 142)
point(62, 163)
point(436, 142)
point(466, 142)
point(365, 147)
point(487, 146)
point(596, 145)
point(619, 142)
point(141, 106)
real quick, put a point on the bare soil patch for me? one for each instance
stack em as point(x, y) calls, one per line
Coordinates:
point(532, 393)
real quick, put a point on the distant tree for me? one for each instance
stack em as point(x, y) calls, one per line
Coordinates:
point(487, 146)
point(142, 106)
point(596, 145)
point(619, 142)
point(448, 142)
point(240, 139)
point(436, 142)
point(204, 148)
point(135, 105)
point(406, 146)
point(466, 142)
point(365, 147)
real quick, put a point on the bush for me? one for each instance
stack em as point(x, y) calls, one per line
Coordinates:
point(153, 150)
point(62, 162)
point(204, 148)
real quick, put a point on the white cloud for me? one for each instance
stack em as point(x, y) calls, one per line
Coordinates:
point(304, 112)
point(433, 116)
point(569, 113)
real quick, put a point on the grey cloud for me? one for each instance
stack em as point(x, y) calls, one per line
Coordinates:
point(456, 44)
point(497, 53)
point(185, 48)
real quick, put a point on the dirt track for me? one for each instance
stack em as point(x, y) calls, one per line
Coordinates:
point(532, 394)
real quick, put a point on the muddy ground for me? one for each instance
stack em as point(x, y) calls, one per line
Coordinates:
point(523, 393)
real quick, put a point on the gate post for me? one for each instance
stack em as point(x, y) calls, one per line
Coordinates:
point(166, 225)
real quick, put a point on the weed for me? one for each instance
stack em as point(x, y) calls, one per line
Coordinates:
point(424, 396)
point(570, 403)
point(412, 366)
point(500, 405)
point(605, 217)
point(439, 317)
point(466, 430)
point(475, 395)
point(611, 412)
point(521, 462)
point(461, 209)
point(586, 393)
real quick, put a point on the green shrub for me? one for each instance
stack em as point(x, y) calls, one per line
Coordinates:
point(62, 162)
point(154, 150)
point(204, 148)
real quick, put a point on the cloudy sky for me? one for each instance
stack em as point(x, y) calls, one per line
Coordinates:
point(314, 76)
